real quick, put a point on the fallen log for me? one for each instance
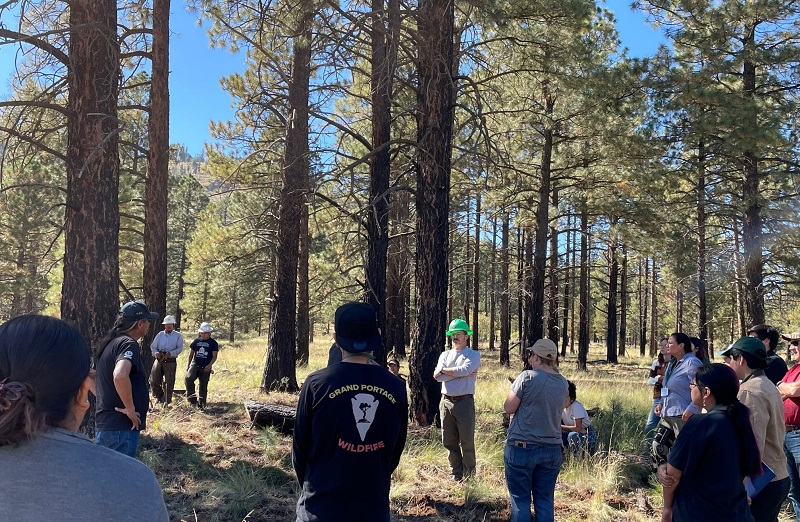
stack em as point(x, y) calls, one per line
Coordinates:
point(264, 414)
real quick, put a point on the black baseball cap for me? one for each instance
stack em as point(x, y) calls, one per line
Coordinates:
point(138, 311)
point(356, 328)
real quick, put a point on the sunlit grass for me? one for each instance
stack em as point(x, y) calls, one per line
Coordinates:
point(237, 466)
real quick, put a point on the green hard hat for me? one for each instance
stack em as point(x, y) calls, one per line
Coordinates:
point(458, 325)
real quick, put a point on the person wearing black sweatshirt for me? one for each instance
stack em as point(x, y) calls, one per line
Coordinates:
point(350, 428)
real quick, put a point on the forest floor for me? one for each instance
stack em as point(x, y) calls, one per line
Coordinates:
point(215, 466)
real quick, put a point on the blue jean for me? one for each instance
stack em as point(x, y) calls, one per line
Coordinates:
point(579, 441)
point(531, 472)
point(791, 447)
point(652, 420)
point(124, 441)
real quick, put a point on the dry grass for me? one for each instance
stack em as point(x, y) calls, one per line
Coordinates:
point(214, 466)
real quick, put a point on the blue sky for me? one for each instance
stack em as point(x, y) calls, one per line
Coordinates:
point(196, 96)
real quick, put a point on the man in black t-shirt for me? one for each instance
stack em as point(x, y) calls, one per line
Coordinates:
point(122, 394)
point(202, 356)
point(351, 422)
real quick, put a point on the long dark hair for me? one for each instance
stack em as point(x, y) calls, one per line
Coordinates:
point(121, 325)
point(682, 338)
point(43, 362)
point(723, 383)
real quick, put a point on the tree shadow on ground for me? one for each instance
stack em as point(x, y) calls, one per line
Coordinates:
point(198, 485)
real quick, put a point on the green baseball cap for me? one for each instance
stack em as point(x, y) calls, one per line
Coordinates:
point(751, 345)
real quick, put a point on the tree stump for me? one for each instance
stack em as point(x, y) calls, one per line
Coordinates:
point(264, 414)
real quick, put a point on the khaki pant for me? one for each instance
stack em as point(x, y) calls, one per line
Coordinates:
point(458, 434)
point(162, 380)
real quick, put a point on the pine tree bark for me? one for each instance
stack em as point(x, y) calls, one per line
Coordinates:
point(155, 215)
point(476, 273)
point(505, 291)
point(644, 272)
point(702, 254)
point(493, 290)
point(303, 304)
point(752, 224)
point(553, 295)
point(653, 310)
point(583, 320)
point(378, 210)
point(279, 370)
point(623, 303)
point(535, 323)
point(435, 97)
point(568, 270)
point(611, 316)
point(89, 292)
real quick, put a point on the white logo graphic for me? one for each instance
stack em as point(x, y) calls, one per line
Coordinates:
point(202, 351)
point(128, 354)
point(364, 407)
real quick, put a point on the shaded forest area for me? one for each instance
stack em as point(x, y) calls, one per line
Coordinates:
point(505, 162)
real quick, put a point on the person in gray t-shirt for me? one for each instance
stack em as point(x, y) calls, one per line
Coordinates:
point(532, 455)
point(52, 472)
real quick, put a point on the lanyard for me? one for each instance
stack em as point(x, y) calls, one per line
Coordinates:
point(670, 369)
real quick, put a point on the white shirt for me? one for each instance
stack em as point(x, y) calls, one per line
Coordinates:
point(167, 342)
point(465, 362)
point(575, 411)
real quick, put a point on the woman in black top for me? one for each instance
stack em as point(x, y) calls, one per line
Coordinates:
point(703, 479)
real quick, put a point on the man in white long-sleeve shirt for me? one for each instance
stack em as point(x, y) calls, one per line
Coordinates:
point(457, 370)
point(166, 346)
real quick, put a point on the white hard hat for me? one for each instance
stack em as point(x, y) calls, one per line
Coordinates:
point(169, 319)
point(205, 328)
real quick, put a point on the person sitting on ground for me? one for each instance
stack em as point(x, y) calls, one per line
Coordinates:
point(704, 476)
point(577, 432)
point(52, 471)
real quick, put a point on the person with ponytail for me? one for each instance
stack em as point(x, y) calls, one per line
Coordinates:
point(704, 476)
point(55, 472)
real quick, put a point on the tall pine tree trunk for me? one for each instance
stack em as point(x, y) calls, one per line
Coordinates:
point(623, 304)
point(89, 292)
point(738, 270)
point(379, 166)
point(752, 224)
point(583, 320)
point(653, 310)
point(435, 97)
point(505, 291)
point(279, 371)
point(534, 323)
point(303, 338)
point(568, 271)
point(611, 317)
point(552, 296)
point(476, 273)
point(702, 255)
point(155, 214)
point(529, 308)
point(644, 272)
point(493, 290)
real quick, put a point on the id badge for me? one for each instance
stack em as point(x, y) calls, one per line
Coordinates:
point(664, 391)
